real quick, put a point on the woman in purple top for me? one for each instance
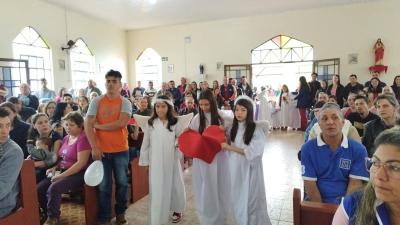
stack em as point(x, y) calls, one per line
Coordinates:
point(74, 153)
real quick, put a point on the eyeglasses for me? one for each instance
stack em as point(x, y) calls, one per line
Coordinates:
point(392, 168)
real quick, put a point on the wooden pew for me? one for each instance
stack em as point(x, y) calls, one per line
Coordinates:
point(139, 181)
point(28, 212)
point(311, 213)
point(91, 204)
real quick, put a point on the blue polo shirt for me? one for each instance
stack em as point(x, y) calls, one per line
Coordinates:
point(350, 203)
point(332, 169)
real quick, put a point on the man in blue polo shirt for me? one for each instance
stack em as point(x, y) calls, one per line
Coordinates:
point(332, 165)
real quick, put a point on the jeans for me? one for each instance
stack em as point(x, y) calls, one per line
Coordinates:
point(117, 163)
point(49, 193)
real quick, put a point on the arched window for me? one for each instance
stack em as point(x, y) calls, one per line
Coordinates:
point(282, 49)
point(29, 45)
point(149, 68)
point(82, 64)
point(281, 60)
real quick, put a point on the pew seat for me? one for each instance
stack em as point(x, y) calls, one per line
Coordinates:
point(28, 212)
point(311, 213)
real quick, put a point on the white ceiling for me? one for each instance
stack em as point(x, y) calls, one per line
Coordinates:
point(138, 14)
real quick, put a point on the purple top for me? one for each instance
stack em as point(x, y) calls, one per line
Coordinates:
point(69, 153)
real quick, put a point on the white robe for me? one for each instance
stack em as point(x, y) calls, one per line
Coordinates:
point(249, 203)
point(265, 107)
point(275, 115)
point(210, 184)
point(285, 110)
point(294, 113)
point(158, 151)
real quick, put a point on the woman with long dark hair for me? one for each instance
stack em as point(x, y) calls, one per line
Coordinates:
point(374, 89)
point(304, 101)
point(336, 89)
point(379, 201)
point(247, 188)
point(396, 87)
point(62, 109)
point(210, 181)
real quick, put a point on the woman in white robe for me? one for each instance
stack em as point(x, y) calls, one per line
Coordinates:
point(249, 204)
point(285, 104)
point(294, 113)
point(158, 151)
point(210, 181)
point(265, 106)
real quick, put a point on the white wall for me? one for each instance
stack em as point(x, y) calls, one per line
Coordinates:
point(107, 42)
point(334, 32)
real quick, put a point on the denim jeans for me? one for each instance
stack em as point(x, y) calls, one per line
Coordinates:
point(116, 163)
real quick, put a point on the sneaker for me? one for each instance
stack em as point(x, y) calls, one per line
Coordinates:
point(120, 220)
point(176, 217)
point(42, 216)
point(51, 221)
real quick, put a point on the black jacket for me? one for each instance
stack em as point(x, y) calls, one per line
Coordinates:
point(19, 134)
point(339, 94)
point(246, 91)
point(371, 130)
point(352, 89)
point(304, 99)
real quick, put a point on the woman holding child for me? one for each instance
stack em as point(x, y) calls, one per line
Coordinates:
point(74, 153)
point(41, 128)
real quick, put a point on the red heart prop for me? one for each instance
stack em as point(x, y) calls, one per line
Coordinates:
point(203, 147)
point(215, 132)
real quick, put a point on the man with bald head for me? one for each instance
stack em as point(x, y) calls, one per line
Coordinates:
point(27, 98)
point(91, 88)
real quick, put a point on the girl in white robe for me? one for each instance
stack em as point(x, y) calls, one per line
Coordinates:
point(265, 106)
point(284, 103)
point(210, 181)
point(247, 189)
point(158, 151)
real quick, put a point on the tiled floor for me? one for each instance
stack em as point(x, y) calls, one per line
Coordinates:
point(281, 174)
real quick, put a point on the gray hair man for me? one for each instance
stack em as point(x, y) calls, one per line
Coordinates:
point(332, 164)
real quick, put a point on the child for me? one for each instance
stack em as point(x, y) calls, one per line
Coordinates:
point(58, 128)
point(158, 152)
point(210, 181)
point(41, 152)
point(245, 163)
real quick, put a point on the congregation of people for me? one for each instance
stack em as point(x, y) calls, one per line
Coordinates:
point(350, 155)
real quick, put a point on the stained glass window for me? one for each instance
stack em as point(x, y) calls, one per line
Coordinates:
point(281, 60)
point(282, 49)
